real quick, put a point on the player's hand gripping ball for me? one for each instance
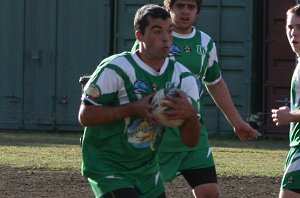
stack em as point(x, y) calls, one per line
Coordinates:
point(157, 100)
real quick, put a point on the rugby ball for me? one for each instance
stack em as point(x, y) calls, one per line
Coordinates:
point(159, 98)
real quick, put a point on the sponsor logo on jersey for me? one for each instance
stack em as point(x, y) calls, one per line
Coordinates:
point(140, 87)
point(142, 134)
point(170, 85)
point(93, 91)
point(187, 48)
point(201, 50)
point(174, 51)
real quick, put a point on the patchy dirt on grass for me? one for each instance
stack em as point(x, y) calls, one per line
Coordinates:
point(19, 183)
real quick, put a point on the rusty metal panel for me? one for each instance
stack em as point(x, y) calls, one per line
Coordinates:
point(279, 62)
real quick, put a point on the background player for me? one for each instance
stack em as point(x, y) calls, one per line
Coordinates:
point(290, 184)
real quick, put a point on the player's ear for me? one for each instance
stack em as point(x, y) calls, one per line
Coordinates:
point(139, 36)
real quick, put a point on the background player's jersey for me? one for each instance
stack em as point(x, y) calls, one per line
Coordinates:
point(294, 134)
point(197, 52)
point(128, 144)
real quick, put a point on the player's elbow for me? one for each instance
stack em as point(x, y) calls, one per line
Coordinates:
point(192, 142)
point(190, 133)
point(81, 120)
point(191, 139)
point(82, 117)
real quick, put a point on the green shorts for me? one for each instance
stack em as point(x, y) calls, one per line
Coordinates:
point(291, 177)
point(171, 163)
point(148, 187)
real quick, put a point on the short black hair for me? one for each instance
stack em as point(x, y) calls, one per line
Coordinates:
point(152, 10)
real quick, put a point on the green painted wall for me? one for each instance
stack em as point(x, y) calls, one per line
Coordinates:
point(47, 45)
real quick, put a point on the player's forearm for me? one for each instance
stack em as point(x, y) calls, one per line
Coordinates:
point(223, 100)
point(93, 115)
point(190, 131)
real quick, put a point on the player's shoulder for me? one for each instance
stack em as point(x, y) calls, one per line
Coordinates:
point(204, 36)
point(202, 33)
point(114, 59)
point(179, 66)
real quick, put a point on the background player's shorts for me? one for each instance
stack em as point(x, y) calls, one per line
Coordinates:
point(148, 187)
point(171, 163)
point(291, 177)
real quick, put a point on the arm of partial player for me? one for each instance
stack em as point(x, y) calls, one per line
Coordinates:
point(90, 115)
point(284, 116)
point(222, 98)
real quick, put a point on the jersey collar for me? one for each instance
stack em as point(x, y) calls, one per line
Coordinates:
point(185, 36)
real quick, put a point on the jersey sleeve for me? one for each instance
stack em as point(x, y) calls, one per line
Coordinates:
point(102, 87)
point(213, 72)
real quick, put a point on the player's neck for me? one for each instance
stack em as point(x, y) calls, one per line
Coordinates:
point(183, 30)
point(154, 63)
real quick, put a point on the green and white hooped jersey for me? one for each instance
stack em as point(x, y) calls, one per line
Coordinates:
point(198, 53)
point(294, 135)
point(130, 143)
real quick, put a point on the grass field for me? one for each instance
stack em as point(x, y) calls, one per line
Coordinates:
point(61, 151)
point(33, 164)
point(260, 158)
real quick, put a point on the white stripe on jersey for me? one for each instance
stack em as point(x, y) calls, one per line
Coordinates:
point(294, 166)
point(187, 85)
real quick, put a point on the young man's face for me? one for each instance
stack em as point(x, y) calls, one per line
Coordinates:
point(293, 32)
point(184, 13)
point(158, 38)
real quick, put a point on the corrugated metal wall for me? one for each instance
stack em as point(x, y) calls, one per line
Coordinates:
point(11, 62)
point(123, 25)
point(229, 23)
point(47, 45)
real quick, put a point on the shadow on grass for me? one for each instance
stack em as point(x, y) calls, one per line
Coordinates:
point(39, 138)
